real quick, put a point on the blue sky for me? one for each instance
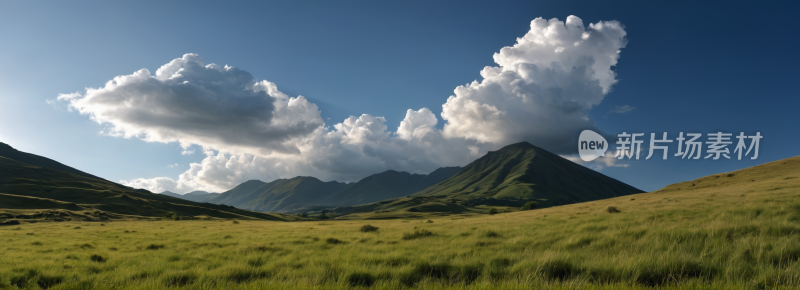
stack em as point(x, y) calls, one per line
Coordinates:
point(686, 67)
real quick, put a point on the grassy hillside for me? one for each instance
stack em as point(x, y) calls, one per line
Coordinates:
point(48, 188)
point(32, 159)
point(507, 178)
point(737, 230)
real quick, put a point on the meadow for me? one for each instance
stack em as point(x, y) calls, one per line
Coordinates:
point(738, 230)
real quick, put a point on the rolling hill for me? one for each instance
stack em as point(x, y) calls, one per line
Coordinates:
point(26, 187)
point(36, 160)
point(509, 177)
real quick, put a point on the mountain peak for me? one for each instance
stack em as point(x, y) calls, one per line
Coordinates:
point(252, 181)
point(198, 192)
point(4, 146)
point(391, 172)
point(524, 145)
point(9, 152)
point(522, 171)
point(305, 178)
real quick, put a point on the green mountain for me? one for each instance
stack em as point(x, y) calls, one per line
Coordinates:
point(279, 195)
point(32, 159)
point(27, 187)
point(509, 177)
point(302, 193)
point(526, 172)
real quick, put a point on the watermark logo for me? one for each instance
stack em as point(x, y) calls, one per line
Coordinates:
point(591, 145)
point(717, 145)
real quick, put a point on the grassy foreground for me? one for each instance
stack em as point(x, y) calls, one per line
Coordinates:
point(729, 231)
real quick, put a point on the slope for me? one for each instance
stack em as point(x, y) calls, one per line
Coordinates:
point(36, 160)
point(48, 188)
point(522, 171)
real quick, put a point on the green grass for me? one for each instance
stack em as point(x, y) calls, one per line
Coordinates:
point(727, 231)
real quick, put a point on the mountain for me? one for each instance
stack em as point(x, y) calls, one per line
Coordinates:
point(302, 193)
point(32, 159)
point(387, 185)
point(523, 171)
point(278, 195)
point(197, 196)
point(27, 187)
point(508, 177)
point(172, 194)
point(200, 196)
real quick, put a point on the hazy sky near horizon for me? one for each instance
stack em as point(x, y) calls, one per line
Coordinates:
point(188, 95)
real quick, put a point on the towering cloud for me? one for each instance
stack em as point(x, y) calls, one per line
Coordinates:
point(541, 91)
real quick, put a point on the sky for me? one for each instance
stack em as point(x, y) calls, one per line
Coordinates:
point(193, 95)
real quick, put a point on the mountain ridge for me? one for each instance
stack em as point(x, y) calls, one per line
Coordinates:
point(304, 193)
point(33, 159)
point(24, 186)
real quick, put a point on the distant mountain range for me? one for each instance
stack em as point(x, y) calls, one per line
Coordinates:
point(197, 196)
point(308, 193)
point(509, 177)
point(386, 185)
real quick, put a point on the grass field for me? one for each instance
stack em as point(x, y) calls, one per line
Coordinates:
point(737, 230)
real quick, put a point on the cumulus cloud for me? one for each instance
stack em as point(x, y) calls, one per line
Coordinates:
point(189, 102)
point(348, 151)
point(540, 91)
point(543, 87)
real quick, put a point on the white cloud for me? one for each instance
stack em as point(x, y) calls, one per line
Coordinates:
point(192, 103)
point(417, 124)
point(540, 91)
